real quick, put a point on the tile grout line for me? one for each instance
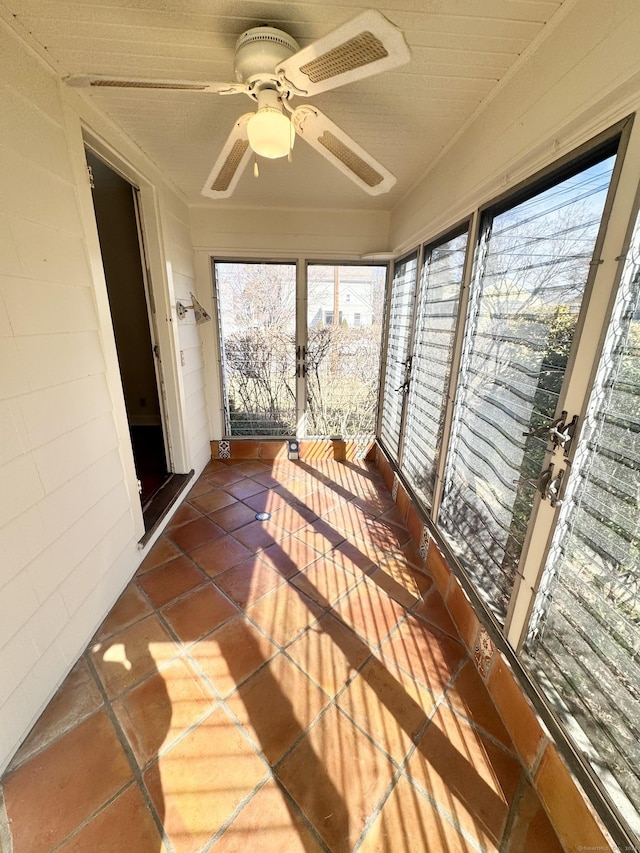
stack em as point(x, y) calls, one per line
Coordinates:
point(446, 814)
point(158, 667)
point(185, 658)
point(312, 679)
point(400, 766)
point(137, 773)
point(305, 820)
point(234, 814)
point(482, 731)
point(512, 813)
point(374, 651)
point(77, 829)
point(11, 770)
point(332, 700)
point(212, 580)
point(376, 812)
point(270, 774)
point(436, 805)
point(472, 723)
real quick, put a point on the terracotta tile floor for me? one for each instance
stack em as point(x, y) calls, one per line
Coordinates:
point(286, 685)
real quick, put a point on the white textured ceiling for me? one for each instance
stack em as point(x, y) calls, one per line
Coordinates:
point(460, 49)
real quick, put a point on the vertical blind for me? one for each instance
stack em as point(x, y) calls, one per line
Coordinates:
point(400, 315)
point(436, 316)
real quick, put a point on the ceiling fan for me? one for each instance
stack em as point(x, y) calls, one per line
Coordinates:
point(271, 69)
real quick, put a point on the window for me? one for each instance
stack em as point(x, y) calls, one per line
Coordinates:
point(436, 319)
point(540, 513)
point(583, 637)
point(400, 314)
point(284, 377)
point(533, 266)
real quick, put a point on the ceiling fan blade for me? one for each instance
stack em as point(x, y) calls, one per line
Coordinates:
point(82, 81)
point(360, 48)
point(231, 162)
point(345, 154)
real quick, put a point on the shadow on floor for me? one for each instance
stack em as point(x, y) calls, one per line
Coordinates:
point(463, 778)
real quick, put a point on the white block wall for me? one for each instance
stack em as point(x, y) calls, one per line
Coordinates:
point(178, 243)
point(236, 232)
point(68, 536)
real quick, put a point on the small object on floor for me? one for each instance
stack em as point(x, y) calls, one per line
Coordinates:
point(263, 516)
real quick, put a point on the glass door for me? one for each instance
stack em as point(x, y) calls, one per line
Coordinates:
point(291, 371)
point(532, 267)
point(345, 306)
point(256, 305)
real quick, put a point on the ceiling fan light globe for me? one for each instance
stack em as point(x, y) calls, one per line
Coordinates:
point(270, 133)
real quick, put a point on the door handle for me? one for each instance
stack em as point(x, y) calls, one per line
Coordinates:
point(301, 359)
point(407, 364)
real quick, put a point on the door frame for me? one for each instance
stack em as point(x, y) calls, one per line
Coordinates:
point(160, 288)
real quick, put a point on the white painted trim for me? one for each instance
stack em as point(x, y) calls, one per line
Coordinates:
point(580, 375)
point(210, 339)
point(413, 324)
point(302, 331)
point(164, 297)
point(470, 263)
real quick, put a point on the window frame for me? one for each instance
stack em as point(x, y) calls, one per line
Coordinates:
point(616, 227)
point(406, 257)
point(467, 226)
point(301, 265)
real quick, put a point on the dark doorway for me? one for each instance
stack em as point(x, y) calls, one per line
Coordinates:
point(115, 204)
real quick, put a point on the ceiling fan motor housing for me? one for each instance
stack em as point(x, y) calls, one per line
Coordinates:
point(259, 50)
